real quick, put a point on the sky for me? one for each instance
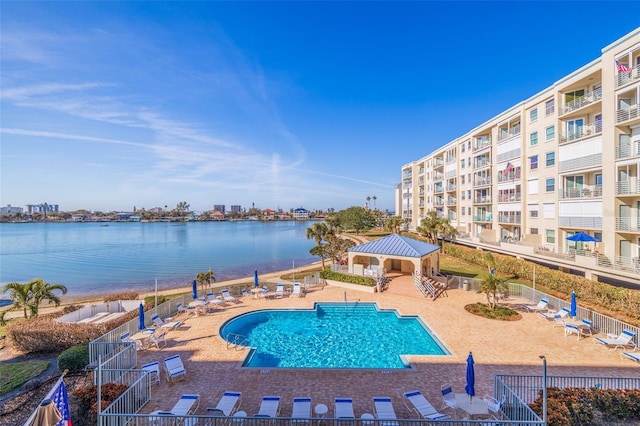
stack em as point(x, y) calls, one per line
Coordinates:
point(107, 106)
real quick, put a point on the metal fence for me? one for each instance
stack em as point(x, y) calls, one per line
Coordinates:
point(123, 358)
point(119, 412)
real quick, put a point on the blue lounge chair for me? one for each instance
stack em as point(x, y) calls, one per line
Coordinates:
point(301, 409)
point(228, 403)
point(344, 408)
point(415, 401)
point(175, 368)
point(624, 340)
point(269, 407)
point(383, 409)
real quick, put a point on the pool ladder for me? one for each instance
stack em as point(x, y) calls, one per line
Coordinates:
point(235, 340)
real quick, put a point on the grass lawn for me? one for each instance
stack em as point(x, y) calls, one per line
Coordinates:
point(15, 374)
point(454, 266)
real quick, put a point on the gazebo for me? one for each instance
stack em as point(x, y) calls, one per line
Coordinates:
point(394, 252)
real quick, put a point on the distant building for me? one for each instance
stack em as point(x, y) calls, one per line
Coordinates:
point(268, 214)
point(217, 215)
point(236, 209)
point(41, 208)
point(10, 210)
point(219, 208)
point(301, 214)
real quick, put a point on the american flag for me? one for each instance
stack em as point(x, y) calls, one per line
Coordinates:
point(622, 68)
point(508, 168)
point(61, 401)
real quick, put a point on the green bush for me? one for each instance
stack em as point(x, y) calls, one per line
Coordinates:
point(150, 301)
point(345, 278)
point(74, 359)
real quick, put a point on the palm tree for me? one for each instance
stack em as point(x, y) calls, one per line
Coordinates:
point(374, 202)
point(21, 295)
point(491, 287)
point(43, 291)
point(433, 226)
point(318, 231)
point(368, 199)
point(392, 224)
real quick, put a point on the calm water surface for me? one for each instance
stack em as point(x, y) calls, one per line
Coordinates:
point(90, 258)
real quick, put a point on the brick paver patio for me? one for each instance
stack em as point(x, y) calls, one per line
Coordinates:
point(497, 346)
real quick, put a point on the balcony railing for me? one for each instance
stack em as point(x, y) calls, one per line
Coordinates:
point(586, 99)
point(509, 198)
point(451, 188)
point(439, 203)
point(438, 162)
point(451, 201)
point(485, 218)
point(582, 132)
point(480, 163)
point(580, 222)
point(482, 200)
point(505, 218)
point(623, 78)
point(482, 143)
point(628, 224)
point(594, 191)
point(438, 189)
point(482, 181)
point(503, 135)
point(438, 177)
point(628, 150)
point(405, 195)
point(628, 113)
point(509, 177)
point(628, 187)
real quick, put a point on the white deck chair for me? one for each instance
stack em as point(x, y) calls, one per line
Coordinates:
point(269, 407)
point(126, 338)
point(624, 340)
point(279, 290)
point(633, 356)
point(494, 406)
point(158, 339)
point(153, 368)
point(227, 296)
point(214, 300)
point(160, 323)
point(226, 405)
point(297, 290)
point(344, 408)
point(448, 398)
point(557, 317)
point(415, 401)
point(540, 307)
point(383, 409)
point(187, 404)
point(174, 368)
point(301, 409)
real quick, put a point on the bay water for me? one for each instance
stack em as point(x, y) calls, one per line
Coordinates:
point(93, 258)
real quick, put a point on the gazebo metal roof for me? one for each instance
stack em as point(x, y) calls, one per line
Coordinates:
point(396, 245)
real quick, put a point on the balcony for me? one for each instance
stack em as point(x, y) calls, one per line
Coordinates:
point(509, 198)
point(482, 143)
point(629, 113)
point(593, 160)
point(482, 218)
point(451, 201)
point(628, 187)
point(439, 202)
point(438, 177)
point(510, 218)
point(509, 177)
point(587, 99)
point(480, 163)
point(594, 191)
point(624, 78)
point(482, 181)
point(438, 162)
point(421, 180)
point(583, 132)
point(451, 188)
point(505, 134)
point(627, 224)
point(482, 200)
point(407, 195)
point(438, 189)
point(580, 222)
point(628, 150)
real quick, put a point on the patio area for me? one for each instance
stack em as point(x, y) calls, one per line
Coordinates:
point(498, 348)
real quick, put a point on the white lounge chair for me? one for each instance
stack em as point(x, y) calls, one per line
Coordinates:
point(383, 409)
point(160, 323)
point(297, 290)
point(158, 339)
point(175, 368)
point(269, 407)
point(214, 300)
point(264, 293)
point(415, 401)
point(227, 296)
point(153, 369)
point(279, 290)
point(344, 408)
point(494, 406)
point(126, 338)
point(448, 398)
point(633, 356)
point(540, 307)
point(227, 404)
point(624, 340)
point(301, 409)
point(556, 317)
point(187, 404)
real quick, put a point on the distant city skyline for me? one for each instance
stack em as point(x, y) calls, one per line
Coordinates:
point(107, 105)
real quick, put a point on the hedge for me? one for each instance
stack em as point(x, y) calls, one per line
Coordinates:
point(345, 278)
point(597, 294)
point(74, 359)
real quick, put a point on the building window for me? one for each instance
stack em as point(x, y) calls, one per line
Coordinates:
point(462, 163)
point(550, 185)
point(468, 211)
point(463, 211)
point(533, 231)
point(549, 107)
point(533, 162)
point(533, 115)
point(469, 192)
point(550, 132)
point(533, 139)
point(551, 158)
point(462, 179)
point(533, 213)
point(469, 145)
point(551, 236)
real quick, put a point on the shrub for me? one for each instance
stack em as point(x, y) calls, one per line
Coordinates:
point(150, 301)
point(70, 308)
point(74, 359)
point(87, 401)
point(345, 278)
point(125, 295)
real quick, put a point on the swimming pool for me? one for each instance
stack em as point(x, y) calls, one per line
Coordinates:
point(332, 335)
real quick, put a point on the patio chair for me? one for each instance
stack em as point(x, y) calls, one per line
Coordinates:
point(301, 411)
point(633, 356)
point(570, 329)
point(614, 342)
point(540, 307)
point(187, 404)
point(244, 293)
point(153, 369)
point(264, 293)
point(160, 323)
point(227, 404)
point(586, 327)
point(415, 401)
point(344, 408)
point(297, 290)
point(383, 409)
point(557, 317)
point(494, 406)
point(448, 398)
point(279, 290)
point(175, 368)
point(269, 407)
point(126, 338)
point(158, 339)
point(228, 297)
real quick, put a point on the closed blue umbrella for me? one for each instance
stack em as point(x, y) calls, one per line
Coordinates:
point(255, 279)
point(195, 289)
point(141, 325)
point(471, 377)
point(574, 304)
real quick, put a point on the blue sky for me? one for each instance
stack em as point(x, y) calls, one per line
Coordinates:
point(110, 105)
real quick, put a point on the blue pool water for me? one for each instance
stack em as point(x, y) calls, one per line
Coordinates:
point(332, 335)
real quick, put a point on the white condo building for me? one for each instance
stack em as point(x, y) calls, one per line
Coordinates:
point(564, 161)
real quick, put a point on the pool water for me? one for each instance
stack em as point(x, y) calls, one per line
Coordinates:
point(332, 335)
